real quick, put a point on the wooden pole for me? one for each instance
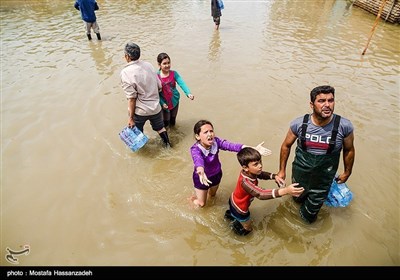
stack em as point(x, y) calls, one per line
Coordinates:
point(374, 26)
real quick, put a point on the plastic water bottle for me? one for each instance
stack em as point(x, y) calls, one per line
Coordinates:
point(133, 138)
point(339, 195)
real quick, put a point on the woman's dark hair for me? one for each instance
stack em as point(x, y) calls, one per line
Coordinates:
point(162, 56)
point(199, 124)
point(321, 89)
point(247, 155)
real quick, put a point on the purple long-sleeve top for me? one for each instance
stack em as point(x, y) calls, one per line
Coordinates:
point(209, 158)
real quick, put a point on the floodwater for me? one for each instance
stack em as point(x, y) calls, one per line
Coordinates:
point(77, 196)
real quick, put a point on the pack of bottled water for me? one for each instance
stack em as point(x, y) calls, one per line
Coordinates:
point(339, 195)
point(133, 138)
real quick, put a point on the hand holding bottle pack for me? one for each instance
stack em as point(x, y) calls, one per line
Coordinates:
point(339, 195)
point(133, 138)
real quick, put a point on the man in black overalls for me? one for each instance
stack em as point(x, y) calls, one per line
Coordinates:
point(320, 138)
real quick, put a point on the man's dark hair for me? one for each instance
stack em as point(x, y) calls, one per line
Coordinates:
point(321, 89)
point(247, 155)
point(133, 51)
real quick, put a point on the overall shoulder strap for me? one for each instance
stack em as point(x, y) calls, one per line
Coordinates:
point(303, 132)
point(335, 130)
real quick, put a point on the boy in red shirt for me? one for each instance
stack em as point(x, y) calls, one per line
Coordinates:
point(247, 188)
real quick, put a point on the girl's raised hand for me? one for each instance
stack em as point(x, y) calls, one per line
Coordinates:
point(262, 150)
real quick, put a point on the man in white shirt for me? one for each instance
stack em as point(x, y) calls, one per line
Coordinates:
point(141, 86)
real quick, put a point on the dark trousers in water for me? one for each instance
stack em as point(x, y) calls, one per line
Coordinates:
point(169, 116)
point(165, 138)
point(315, 174)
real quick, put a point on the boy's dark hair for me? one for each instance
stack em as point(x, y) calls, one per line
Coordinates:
point(199, 124)
point(132, 50)
point(247, 155)
point(321, 89)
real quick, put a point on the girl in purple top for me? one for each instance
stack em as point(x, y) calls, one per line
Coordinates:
point(207, 171)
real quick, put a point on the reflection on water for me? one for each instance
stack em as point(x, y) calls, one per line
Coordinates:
point(99, 57)
point(215, 46)
point(69, 182)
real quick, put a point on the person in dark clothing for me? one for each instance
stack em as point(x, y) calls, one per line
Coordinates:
point(87, 8)
point(321, 136)
point(216, 13)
